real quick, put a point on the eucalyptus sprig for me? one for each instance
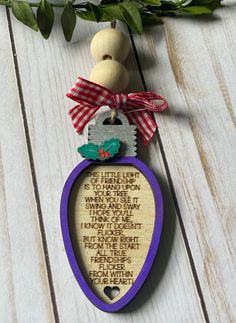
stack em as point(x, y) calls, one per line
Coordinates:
point(135, 13)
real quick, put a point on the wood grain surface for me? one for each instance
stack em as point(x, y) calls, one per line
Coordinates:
point(121, 235)
point(192, 63)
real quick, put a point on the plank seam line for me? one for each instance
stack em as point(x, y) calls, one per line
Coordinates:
point(172, 189)
point(33, 172)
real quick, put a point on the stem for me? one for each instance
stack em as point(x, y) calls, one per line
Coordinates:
point(113, 24)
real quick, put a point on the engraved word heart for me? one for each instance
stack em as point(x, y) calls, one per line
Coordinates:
point(111, 292)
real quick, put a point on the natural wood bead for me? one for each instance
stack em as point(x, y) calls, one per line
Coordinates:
point(110, 43)
point(110, 74)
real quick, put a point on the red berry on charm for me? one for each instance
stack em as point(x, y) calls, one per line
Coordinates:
point(107, 154)
point(101, 153)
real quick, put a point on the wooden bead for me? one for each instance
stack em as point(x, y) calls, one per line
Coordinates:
point(110, 74)
point(110, 43)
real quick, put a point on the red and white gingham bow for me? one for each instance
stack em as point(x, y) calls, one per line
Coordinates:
point(136, 106)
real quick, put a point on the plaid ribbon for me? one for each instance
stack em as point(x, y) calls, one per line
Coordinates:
point(136, 106)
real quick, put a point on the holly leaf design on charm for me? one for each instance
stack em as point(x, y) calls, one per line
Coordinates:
point(106, 150)
point(89, 151)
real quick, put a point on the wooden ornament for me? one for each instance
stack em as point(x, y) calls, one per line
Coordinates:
point(111, 216)
point(110, 74)
point(110, 43)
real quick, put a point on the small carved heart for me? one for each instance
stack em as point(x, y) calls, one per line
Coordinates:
point(111, 292)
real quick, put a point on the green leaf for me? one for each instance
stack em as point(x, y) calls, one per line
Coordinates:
point(196, 10)
point(68, 20)
point(169, 5)
point(45, 18)
point(111, 146)
point(23, 12)
point(107, 2)
point(88, 15)
point(150, 19)
point(97, 11)
point(5, 2)
point(131, 16)
point(203, 2)
point(89, 151)
point(154, 3)
point(93, 13)
point(113, 11)
point(210, 4)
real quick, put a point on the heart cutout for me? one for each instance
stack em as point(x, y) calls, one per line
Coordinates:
point(111, 292)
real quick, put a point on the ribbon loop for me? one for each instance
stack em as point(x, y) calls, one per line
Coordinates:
point(137, 106)
point(120, 100)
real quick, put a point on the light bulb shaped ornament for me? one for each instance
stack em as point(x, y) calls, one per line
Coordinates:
point(111, 215)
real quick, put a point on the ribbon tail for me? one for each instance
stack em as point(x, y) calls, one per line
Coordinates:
point(81, 114)
point(145, 99)
point(144, 122)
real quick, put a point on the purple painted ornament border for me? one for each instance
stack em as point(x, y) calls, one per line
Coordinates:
point(155, 237)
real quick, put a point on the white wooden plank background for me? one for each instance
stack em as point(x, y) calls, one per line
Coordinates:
point(192, 63)
point(25, 295)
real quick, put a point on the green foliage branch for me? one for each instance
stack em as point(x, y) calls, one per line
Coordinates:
point(135, 13)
